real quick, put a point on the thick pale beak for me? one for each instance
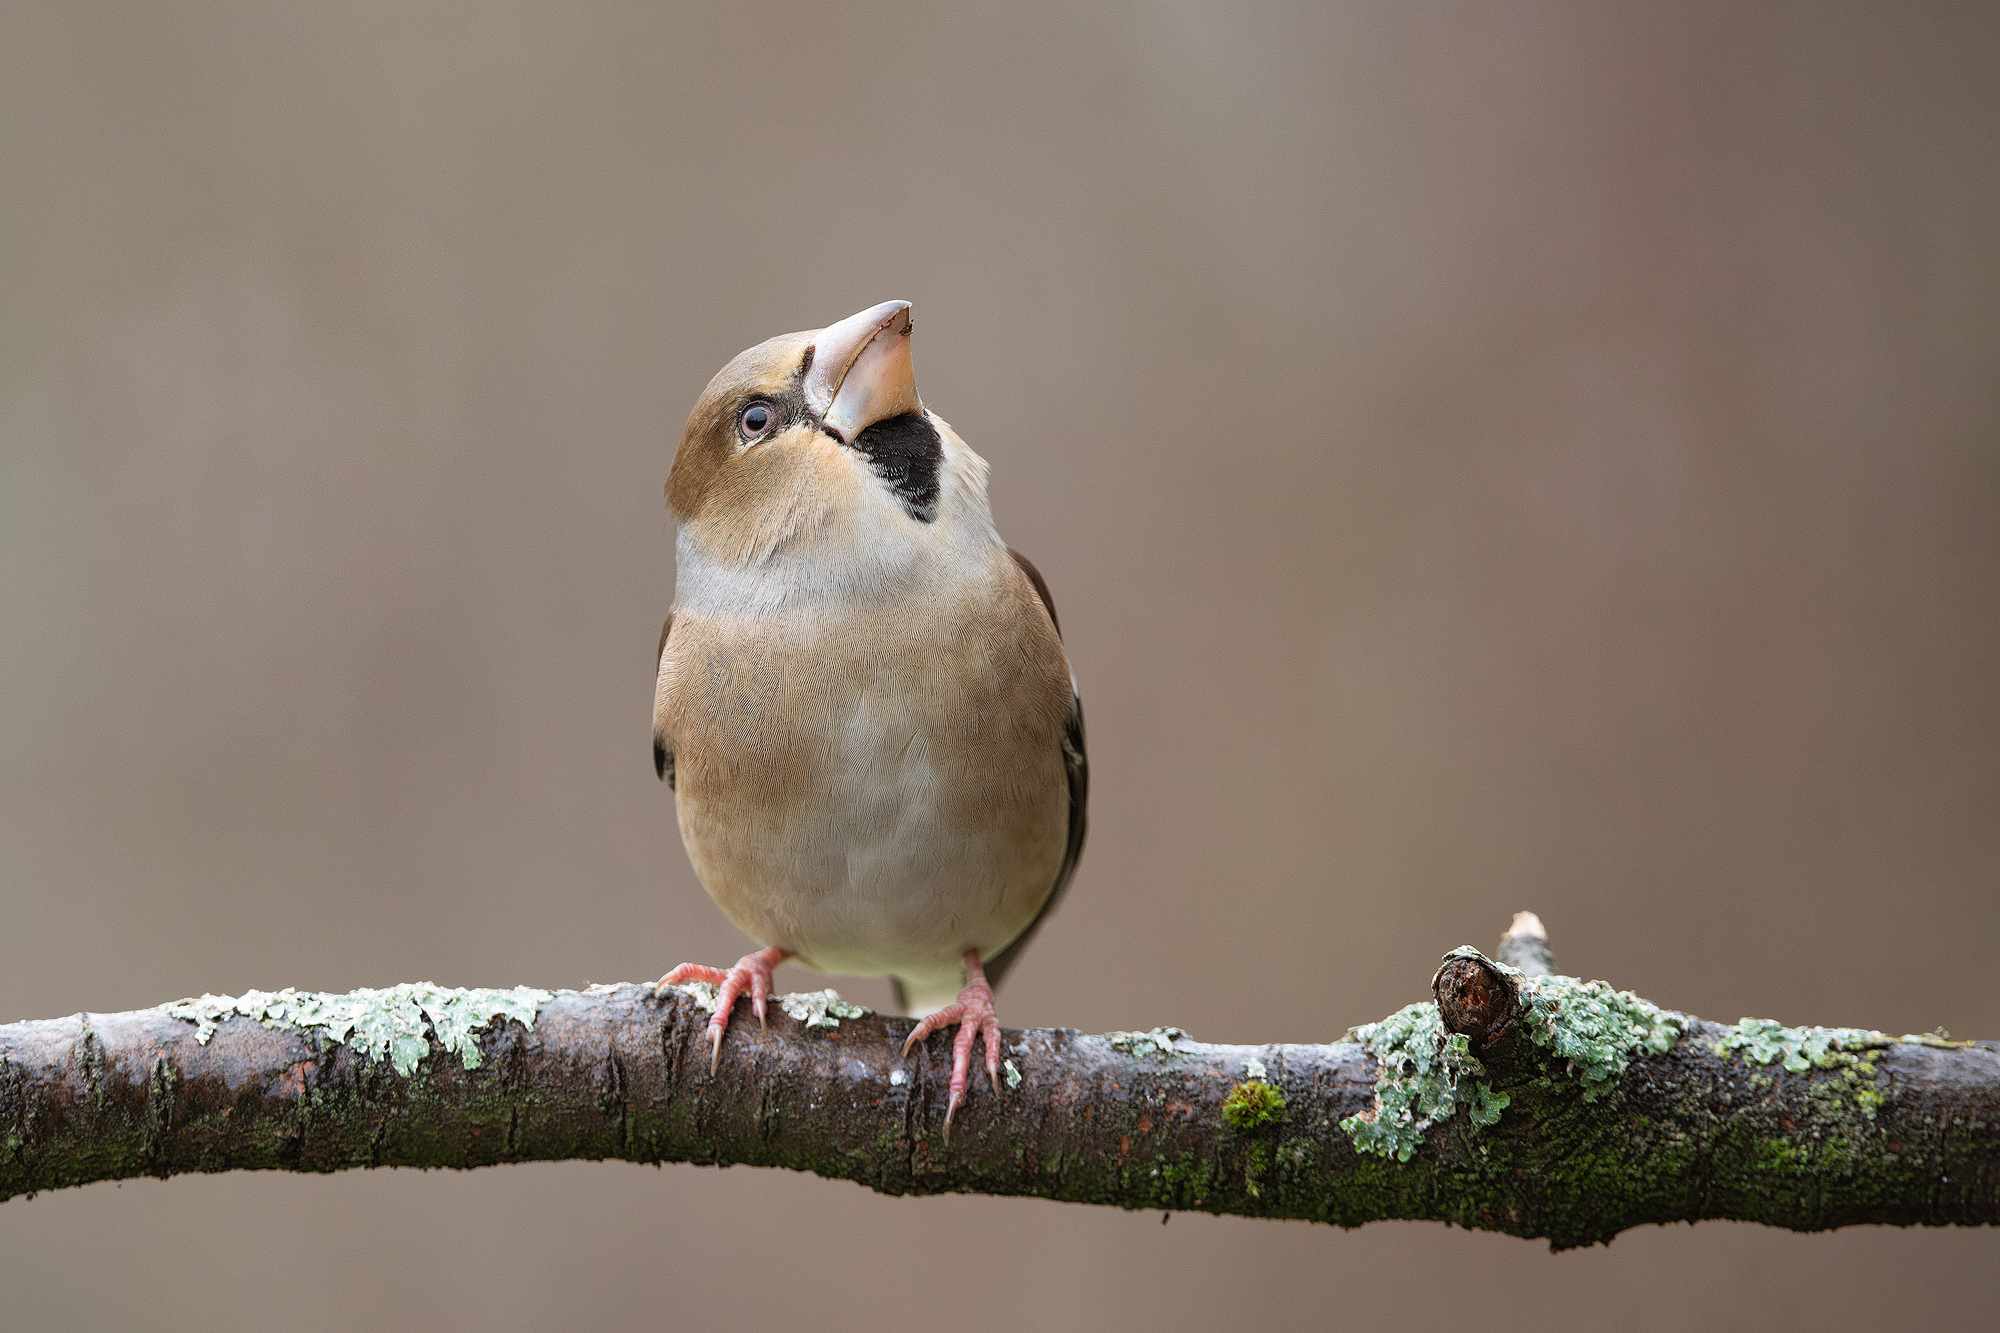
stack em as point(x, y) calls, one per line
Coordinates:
point(861, 371)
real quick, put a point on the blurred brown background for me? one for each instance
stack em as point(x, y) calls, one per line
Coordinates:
point(1485, 457)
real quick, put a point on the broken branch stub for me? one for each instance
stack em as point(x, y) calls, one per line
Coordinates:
point(1525, 947)
point(1477, 997)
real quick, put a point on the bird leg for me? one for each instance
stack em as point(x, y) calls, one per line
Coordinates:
point(973, 1012)
point(752, 973)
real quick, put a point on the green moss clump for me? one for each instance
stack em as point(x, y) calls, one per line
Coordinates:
point(1253, 1104)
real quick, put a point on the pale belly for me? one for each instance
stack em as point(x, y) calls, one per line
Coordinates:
point(874, 812)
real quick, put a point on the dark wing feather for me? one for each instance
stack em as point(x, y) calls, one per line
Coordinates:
point(1076, 763)
point(663, 758)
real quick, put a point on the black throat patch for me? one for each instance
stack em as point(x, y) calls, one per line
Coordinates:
point(906, 452)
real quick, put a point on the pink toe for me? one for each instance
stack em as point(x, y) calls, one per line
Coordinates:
point(752, 973)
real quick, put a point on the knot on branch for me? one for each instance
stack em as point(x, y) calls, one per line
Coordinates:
point(1477, 997)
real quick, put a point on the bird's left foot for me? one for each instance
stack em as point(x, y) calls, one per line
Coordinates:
point(973, 1012)
point(752, 973)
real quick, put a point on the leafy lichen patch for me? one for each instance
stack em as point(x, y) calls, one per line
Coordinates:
point(703, 993)
point(1159, 1042)
point(1765, 1041)
point(1595, 1028)
point(1422, 1074)
point(817, 1008)
point(390, 1024)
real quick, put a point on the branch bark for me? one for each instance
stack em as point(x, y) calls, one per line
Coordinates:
point(1754, 1123)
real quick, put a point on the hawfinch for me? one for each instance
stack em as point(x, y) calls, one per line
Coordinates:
point(863, 706)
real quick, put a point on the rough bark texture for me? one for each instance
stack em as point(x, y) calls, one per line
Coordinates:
point(1905, 1134)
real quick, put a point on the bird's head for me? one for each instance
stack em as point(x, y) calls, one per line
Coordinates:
point(807, 430)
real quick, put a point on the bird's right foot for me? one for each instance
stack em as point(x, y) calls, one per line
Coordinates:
point(973, 1013)
point(752, 973)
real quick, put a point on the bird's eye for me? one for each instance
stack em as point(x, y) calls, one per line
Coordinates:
point(756, 419)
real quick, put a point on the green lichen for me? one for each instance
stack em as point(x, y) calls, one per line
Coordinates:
point(1852, 1051)
point(1159, 1042)
point(1483, 1104)
point(1765, 1041)
point(1855, 1084)
point(1423, 1074)
point(816, 1008)
point(1013, 1074)
point(1253, 1104)
point(703, 993)
point(392, 1024)
point(819, 1008)
point(1595, 1028)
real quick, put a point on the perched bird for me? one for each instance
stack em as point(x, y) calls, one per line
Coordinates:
point(863, 706)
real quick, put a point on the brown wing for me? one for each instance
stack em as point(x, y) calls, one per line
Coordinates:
point(1077, 764)
point(663, 758)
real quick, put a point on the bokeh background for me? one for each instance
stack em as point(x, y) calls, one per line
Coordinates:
point(1486, 457)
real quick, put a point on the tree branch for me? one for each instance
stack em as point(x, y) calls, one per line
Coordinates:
point(1530, 1104)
